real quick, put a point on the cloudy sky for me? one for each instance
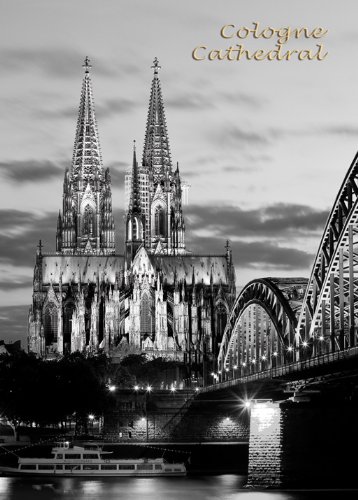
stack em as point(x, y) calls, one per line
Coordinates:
point(263, 145)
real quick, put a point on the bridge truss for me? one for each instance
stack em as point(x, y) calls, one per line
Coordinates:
point(277, 321)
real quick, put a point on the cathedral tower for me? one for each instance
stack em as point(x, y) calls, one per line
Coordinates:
point(135, 222)
point(159, 185)
point(86, 225)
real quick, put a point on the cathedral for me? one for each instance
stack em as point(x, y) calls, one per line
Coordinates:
point(154, 297)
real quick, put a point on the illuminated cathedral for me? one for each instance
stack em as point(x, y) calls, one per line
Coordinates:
point(155, 297)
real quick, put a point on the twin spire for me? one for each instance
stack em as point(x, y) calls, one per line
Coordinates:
point(156, 152)
point(87, 157)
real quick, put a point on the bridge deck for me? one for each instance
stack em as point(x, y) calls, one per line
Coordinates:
point(295, 370)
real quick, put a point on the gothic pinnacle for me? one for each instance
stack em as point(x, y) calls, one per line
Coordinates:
point(156, 66)
point(87, 64)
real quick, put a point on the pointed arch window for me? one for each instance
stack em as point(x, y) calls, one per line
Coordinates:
point(159, 221)
point(88, 221)
point(50, 324)
point(221, 319)
point(146, 317)
point(67, 325)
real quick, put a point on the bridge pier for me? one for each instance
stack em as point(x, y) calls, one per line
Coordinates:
point(302, 443)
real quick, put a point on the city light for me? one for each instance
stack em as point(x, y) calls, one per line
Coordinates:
point(275, 353)
point(290, 348)
point(235, 367)
point(247, 404)
point(263, 357)
point(226, 369)
point(244, 364)
point(136, 387)
point(172, 389)
point(197, 389)
point(321, 337)
point(91, 417)
point(112, 388)
point(304, 343)
point(149, 388)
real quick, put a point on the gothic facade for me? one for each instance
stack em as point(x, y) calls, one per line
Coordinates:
point(157, 297)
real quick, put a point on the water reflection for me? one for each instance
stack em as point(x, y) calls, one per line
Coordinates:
point(220, 487)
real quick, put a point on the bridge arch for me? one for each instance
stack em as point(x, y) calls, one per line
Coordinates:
point(260, 332)
point(329, 316)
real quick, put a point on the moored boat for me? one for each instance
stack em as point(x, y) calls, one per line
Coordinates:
point(70, 460)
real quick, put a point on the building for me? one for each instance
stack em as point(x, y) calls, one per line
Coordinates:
point(157, 297)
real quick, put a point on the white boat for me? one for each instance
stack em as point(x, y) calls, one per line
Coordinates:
point(91, 461)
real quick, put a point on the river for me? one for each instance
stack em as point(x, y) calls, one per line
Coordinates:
point(213, 487)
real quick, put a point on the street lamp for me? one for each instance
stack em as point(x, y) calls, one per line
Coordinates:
point(91, 419)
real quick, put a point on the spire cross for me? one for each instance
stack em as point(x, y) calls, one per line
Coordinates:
point(134, 144)
point(156, 66)
point(87, 64)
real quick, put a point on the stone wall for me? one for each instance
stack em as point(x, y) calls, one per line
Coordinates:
point(176, 418)
point(302, 445)
point(265, 445)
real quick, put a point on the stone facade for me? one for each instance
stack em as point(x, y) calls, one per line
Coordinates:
point(157, 297)
point(178, 418)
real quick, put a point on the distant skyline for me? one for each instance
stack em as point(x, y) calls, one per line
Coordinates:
point(263, 145)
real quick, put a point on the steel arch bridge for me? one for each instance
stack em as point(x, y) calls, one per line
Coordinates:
point(275, 321)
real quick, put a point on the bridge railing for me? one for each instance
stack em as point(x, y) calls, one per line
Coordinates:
point(289, 368)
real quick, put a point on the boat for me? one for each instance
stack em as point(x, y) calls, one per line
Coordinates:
point(69, 460)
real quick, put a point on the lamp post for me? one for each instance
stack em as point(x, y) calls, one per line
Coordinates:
point(147, 391)
point(91, 419)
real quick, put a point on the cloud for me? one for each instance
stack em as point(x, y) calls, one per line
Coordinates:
point(21, 232)
point(243, 137)
point(60, 63)
point(194, 100)
point(257, 254)
point(24, 171)
point(35, 171)
point(281, 219)
point(341, 130)
point(117, 170)
point(103, 110)
point(13, 324)
point(16, 284)
point(113, 106)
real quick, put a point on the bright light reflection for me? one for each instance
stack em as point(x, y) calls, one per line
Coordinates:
point(92, 488)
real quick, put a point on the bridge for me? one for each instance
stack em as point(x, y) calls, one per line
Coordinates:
point(302, 333)
point(276, 321)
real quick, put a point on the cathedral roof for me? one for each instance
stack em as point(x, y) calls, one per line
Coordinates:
point(88, 267)
point(181, 267)
point(87, 158)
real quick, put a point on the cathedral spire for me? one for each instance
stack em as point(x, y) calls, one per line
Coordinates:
point(87, 158)
point(134, 202)
point(156, 153)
